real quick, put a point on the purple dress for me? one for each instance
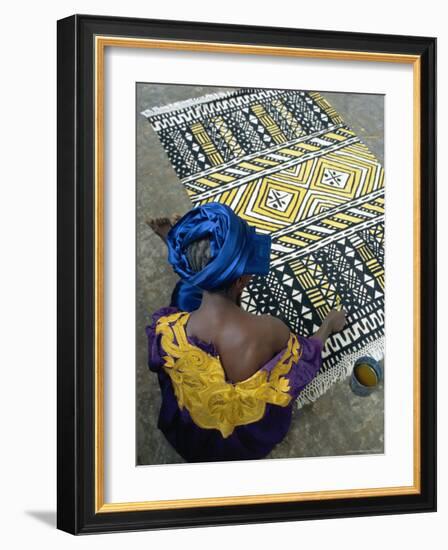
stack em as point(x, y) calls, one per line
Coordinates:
point(205, 417)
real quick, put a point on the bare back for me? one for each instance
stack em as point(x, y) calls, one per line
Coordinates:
point(244, 342)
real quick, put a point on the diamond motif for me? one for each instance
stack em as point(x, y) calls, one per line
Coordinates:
point(278, 200)
point(335, 178)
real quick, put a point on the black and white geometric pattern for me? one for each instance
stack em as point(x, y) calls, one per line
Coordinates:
point(285, 161)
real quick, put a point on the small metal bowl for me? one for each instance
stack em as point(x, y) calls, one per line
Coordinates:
point(363, 387)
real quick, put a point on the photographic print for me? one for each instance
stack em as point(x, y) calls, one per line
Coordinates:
point(260, 273)
point(233, 264)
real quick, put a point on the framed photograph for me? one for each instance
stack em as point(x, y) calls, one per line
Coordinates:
point(246, 274)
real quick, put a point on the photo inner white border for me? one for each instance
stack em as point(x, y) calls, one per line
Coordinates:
point(124, 482)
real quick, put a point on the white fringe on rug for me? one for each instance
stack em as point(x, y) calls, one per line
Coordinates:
point(323, 382)
point(183, 104)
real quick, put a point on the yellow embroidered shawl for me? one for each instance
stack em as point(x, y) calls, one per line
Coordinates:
point(200, 384)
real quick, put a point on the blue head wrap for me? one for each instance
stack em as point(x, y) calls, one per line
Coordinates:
point(235, 248)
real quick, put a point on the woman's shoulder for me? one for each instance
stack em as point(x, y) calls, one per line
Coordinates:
point(271, 328)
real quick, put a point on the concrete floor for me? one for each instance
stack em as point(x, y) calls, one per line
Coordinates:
point(339, 423)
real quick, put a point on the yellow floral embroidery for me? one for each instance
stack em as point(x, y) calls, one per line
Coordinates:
point(200, 386)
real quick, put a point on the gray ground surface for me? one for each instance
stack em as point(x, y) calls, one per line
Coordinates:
point(339, 423)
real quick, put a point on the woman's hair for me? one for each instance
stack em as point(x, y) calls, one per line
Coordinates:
point(198, 255)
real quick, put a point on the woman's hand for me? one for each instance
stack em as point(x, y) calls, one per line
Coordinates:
point(336, 320)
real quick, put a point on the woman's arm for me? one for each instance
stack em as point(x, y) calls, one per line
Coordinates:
point(333, 322)
point(279, 331)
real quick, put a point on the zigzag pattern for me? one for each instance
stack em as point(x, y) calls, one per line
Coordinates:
point(284, 161)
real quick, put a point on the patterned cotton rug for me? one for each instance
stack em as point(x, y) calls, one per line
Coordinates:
point(286, 162)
